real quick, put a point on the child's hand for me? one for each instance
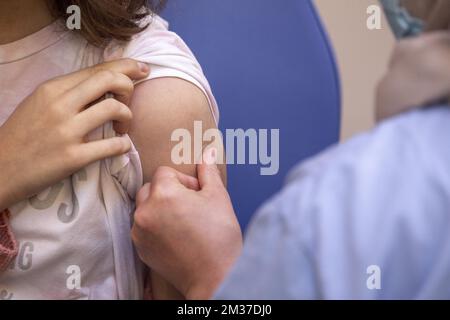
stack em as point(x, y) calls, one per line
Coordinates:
point(44, 139)
point(419, 74)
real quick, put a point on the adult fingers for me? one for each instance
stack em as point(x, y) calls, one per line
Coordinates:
point(439, 18)
point(143, 194)
point(101, 149)
point(208, 172)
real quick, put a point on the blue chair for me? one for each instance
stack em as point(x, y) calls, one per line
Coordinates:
point(270, 66)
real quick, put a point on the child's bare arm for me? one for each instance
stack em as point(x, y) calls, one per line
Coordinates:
point(159, 107)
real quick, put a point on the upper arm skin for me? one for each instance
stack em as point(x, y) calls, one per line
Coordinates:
point(159, 107)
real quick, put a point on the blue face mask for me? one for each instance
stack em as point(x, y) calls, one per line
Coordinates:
point(402, 23)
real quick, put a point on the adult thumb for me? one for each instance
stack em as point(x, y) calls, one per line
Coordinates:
point(207, 171)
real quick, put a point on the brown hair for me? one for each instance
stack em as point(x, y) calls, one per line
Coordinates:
point(105, 20)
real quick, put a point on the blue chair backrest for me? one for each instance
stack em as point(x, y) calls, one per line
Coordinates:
point(270, 67)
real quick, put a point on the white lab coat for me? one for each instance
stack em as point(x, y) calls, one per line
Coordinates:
point(369, 219)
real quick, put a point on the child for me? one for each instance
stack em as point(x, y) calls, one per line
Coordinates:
point(73, 239)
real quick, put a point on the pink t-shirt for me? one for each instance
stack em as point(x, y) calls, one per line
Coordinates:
point(74, 238)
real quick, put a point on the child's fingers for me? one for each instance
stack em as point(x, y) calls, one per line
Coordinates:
point(131, 68)
point(101, 149)
point(143, 194)
point(97, 86)
point(100, 113)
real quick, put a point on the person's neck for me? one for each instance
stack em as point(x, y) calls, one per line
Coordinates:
point(20, 18)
